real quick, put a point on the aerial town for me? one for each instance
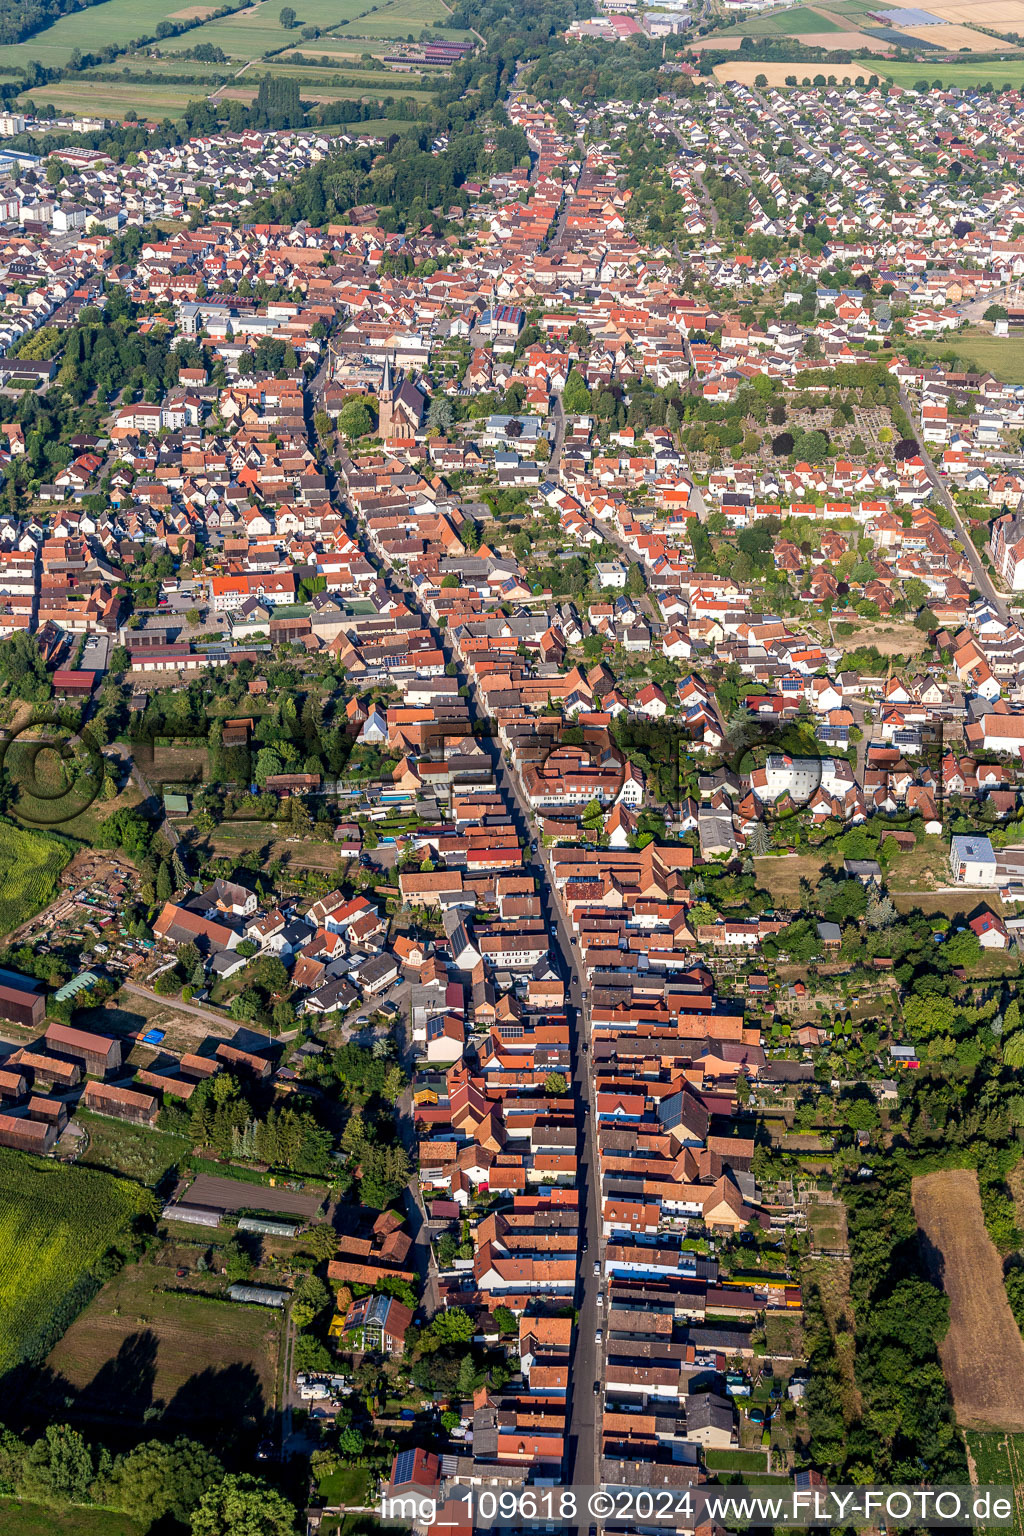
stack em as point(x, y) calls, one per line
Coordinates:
point(511, 761)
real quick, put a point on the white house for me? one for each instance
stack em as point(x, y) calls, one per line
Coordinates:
point(972, 860)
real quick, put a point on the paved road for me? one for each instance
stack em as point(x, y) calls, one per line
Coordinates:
point(558, 441)
point(982, 580)
point(584, 1404)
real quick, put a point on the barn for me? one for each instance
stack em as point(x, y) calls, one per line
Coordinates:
point(97, 1054)
point(19, 1005)
point(27, 1135)
point(121, 1103)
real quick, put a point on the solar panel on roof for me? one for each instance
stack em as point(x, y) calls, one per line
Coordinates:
point(404, 1464)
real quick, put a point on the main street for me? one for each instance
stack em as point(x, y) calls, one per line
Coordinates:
point(584, 1405)
point(982, 580)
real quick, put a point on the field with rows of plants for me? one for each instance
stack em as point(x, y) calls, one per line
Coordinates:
point(56, 1222)
point(29, 866)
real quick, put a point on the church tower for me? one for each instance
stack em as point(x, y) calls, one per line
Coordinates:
point(386, 403)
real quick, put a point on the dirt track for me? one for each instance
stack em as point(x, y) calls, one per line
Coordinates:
point(983, 1353)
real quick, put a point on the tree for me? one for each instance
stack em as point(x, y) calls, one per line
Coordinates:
point(243, 1506)
point(576, 396)
point(156, 1479)
point(58, 1467)
point(452, 1326)
point(237, 1261)
point(310, 1298)
point(441, 415)
point(322, 1242)
point(385, 1173)
point(505, 1319)
point(354, 419)
point(555, 1084)
point(288, 18)
point(466, 1382)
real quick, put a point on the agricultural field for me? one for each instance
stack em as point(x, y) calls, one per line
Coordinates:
point(793, 23)
point(150, 102)
point(30, 864)
point(1009, 73)
point(112, 21)
point(983, 1352)
point(55, 1223)
point(206, 1365)
point(777, 74)
point(1000, 15)
point(255, 31)
point(997, 1460)
point(1002, 356)
point(18, 1519)
point(953, 37)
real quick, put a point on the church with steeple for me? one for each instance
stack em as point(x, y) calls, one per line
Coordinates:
point(402, 406)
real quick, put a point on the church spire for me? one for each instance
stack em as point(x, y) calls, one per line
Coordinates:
point(387, 384)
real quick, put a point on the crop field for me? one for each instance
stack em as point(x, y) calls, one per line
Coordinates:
point(1001, 356)
point(30, 864)
point(110, 100)
point(983, 1352)
point(998, 1460)
point(1000, 15)
point(998, 73)
point(792, 23)
point(19, 1519)
point(251, 33)
point(55, 1222)
point(197, 1361)
point(113, 21)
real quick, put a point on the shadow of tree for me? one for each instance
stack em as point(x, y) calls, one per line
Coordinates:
point(228, 1402)
point(123, 1386)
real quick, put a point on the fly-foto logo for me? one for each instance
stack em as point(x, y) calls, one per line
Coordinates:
point(51, 772)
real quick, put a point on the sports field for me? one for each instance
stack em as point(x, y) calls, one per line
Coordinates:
point(983, 1352)
point(55, 1223)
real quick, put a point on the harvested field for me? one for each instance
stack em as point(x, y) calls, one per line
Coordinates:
point(777, 74)
point(983, 1353)
point(1008, 14)
point(853, 42)
point(236, 1195)
point(193, 12)
point(954, 37)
